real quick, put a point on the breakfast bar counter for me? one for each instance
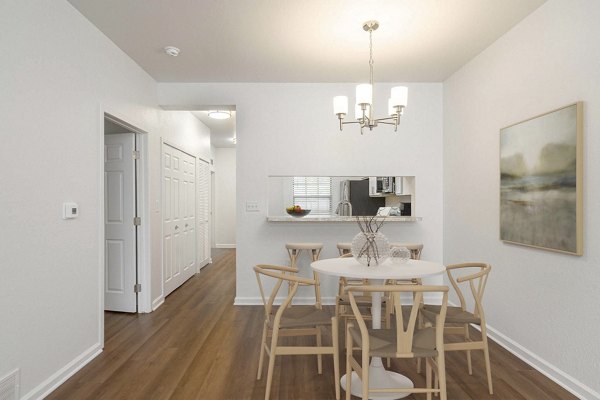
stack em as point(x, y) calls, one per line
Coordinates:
point(324, 218)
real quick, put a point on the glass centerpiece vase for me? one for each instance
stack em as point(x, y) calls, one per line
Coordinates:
point(370, 247)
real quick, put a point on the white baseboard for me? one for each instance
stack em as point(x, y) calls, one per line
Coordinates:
point(563, 379)
point(157, 303)
point(60, 376)
point(225, 246)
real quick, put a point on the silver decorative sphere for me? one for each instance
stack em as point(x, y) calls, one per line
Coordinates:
point(399, 255)
point(370, 248)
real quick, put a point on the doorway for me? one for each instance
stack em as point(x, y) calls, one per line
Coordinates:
point(122, 217)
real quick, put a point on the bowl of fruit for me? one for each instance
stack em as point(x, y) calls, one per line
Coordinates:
point(297, 211)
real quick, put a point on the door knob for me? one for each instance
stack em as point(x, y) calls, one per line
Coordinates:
point(176, 227)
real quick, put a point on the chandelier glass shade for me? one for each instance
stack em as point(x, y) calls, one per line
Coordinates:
point(363, 109)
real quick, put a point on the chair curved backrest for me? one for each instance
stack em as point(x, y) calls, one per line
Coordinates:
point(477, 282)
point(280, 274)
point(405, 329)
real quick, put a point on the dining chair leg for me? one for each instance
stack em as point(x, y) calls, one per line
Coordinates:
point(315, 257)
point(319, 356)
point(418, 365)
point(336, 356)
point(365, 374)
point(274, 338)
point(467, 339)
point(261, 359)
point(428, 377)
point(388, 321)
point(486, 355)
point(441, 362)
point(348, 364)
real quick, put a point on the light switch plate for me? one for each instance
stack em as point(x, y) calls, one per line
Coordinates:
point(252, 206)
point(70, 210)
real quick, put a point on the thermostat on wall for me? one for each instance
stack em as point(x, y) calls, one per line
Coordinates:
point(70, 210)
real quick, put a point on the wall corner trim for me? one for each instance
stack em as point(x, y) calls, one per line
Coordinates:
point(60, 376)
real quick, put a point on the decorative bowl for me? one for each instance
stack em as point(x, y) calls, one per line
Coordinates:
point(399, 255)
point(298, 214)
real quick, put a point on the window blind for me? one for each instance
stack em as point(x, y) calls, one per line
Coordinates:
point(313, 193)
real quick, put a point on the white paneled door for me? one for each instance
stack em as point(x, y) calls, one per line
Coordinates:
point(203, 212)
point(120, 273)
point(179, 217)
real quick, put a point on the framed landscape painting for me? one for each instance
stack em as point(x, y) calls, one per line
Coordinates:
point(541, 175)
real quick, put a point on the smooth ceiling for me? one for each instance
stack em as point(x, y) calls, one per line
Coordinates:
point(303, 41)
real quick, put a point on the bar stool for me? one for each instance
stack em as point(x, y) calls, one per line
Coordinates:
point(344, 248)
point(294, 250)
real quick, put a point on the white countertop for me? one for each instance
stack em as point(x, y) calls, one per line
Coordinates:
point(324, 218)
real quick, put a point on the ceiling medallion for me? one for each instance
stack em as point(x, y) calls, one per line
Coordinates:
point(364, 97)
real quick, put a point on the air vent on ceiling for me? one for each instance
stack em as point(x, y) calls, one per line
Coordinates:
point(9, 386)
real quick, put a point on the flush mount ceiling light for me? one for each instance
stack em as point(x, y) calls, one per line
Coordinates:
point(364, 97)
point(219, 114)
point(172, 51)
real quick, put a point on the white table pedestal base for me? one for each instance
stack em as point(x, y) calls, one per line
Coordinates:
point(381, 378)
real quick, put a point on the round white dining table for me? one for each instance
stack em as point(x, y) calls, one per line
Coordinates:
point(348, 267)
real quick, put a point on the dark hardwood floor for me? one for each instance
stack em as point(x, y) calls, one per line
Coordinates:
point(198, 345)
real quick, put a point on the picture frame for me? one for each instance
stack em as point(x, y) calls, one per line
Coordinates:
point(541, 181)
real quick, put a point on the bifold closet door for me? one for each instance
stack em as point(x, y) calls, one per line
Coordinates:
point(203, 212)
point(179, 217)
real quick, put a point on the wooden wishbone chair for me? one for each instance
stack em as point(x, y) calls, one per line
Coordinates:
point(458, 319)
point(404, 340)
point(293, 321)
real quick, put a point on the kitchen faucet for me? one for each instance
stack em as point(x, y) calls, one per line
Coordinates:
point(344, 208)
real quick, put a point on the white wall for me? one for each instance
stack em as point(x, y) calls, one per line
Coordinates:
point(225, 204)
point(290, 129)
point(58, 75)
point(543, 301)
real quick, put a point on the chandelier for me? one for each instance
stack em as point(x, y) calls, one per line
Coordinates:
point(363, 109)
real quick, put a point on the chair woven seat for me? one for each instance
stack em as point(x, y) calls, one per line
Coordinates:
point(302, 316)
point(343, 300)
point(383, 342)
point(454, 315)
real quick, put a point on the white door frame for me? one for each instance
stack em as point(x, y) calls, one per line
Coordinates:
point(143, 242)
